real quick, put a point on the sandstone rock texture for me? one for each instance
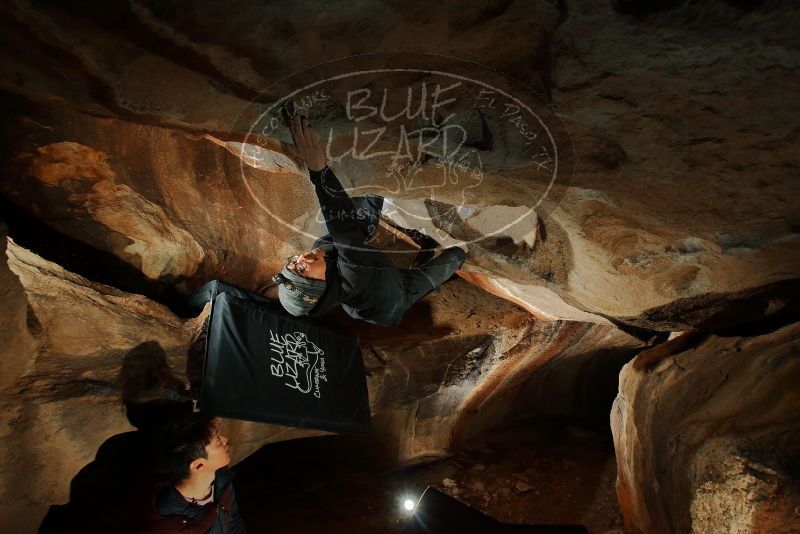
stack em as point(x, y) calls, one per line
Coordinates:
point(174, 208)
point(94, 351)
point(688, 106)
point(433, 391)
point(98, 350)
point(18, 340)
point(707, 435)
point(66, 400)
point(677, 199)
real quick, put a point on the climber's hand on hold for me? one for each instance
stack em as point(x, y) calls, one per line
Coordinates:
point(308, 143)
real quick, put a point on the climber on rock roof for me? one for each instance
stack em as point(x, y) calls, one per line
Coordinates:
point(341, 268)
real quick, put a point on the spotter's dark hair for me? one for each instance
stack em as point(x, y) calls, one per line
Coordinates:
point(182, 441)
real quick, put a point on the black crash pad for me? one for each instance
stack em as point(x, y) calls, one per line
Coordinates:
point(263, 364)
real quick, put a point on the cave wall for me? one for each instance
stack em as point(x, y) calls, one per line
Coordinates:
point(680, 195)
point(172, 206)
point(65, 401)
point(120, 124)
point(18, 340)
point(102, 356)
point(707, 434)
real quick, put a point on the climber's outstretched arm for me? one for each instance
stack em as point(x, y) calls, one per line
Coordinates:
point(338, 210)
point(307, 142)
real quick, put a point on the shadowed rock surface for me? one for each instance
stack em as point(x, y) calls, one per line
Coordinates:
point(443, 376)
point(18, 338)
point(529, 472)
point(676, 186)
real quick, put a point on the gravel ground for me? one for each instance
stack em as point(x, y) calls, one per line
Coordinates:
point(534, 472)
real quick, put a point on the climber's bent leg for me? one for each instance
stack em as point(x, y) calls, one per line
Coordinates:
point(423, 280)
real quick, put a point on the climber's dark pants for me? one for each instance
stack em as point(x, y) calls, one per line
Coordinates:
point(418, 281)
point(193, 304)
point(422, 280)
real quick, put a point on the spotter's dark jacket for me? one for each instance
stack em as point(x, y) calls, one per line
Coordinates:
point(173, 513)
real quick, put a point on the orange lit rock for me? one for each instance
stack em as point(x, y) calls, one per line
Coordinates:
point(707, 435)
point(18, 336)
point(447, 373)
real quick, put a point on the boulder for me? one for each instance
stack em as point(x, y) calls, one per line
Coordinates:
point(19, 335)
point(707, 435)
point(447, 373)
point(174, 207)
point(657, 218)
point(68, 400)
point(450, 371)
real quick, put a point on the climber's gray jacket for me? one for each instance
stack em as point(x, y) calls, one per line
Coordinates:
point(363, 280)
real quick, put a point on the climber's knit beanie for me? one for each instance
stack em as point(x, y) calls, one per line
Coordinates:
point(300, 304)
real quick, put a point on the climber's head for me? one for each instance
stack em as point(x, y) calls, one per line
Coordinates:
point(302, 282)
point(309, 264)
point(192, 445)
